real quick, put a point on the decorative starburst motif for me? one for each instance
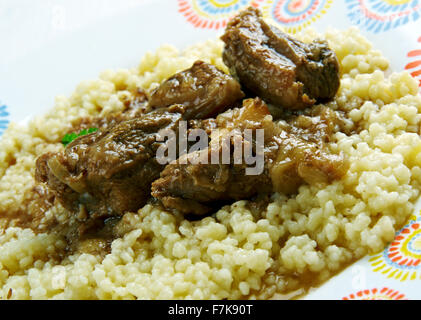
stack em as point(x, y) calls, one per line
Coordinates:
point(376, 294)
point(401, 260)
point(382, 15)
point(294, 15)
point(212, 14)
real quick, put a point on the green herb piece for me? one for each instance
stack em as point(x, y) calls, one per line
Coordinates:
point(72, 136)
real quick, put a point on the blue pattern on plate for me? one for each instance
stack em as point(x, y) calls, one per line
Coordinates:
point(380, 15)
point(4, 115)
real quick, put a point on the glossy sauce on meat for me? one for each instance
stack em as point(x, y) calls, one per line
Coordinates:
point(281, 70)
point(295, 153)
point(194, 188)
point(303, 154)
point(203, 90)
point(108, 172)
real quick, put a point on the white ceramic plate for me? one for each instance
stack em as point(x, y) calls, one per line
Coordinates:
point(48, 47)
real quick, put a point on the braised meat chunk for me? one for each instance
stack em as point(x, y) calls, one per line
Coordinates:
point(197, 186)
point(281, 70)
point(203, 90)
point(200, 188)
point(294, 152)
point(108, 172)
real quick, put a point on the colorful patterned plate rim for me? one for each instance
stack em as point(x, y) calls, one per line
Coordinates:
point(46, 35)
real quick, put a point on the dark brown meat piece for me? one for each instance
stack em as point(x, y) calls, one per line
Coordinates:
point(195, 188)
point(108, 172)
point(204, 90)
point(280, 69)
point(294, 153)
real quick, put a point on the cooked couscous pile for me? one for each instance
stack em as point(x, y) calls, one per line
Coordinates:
point(235, 253)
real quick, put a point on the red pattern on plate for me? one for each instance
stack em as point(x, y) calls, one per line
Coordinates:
point(376, 294)
point(414, 67)
point(401, 259)
point(212, 14)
